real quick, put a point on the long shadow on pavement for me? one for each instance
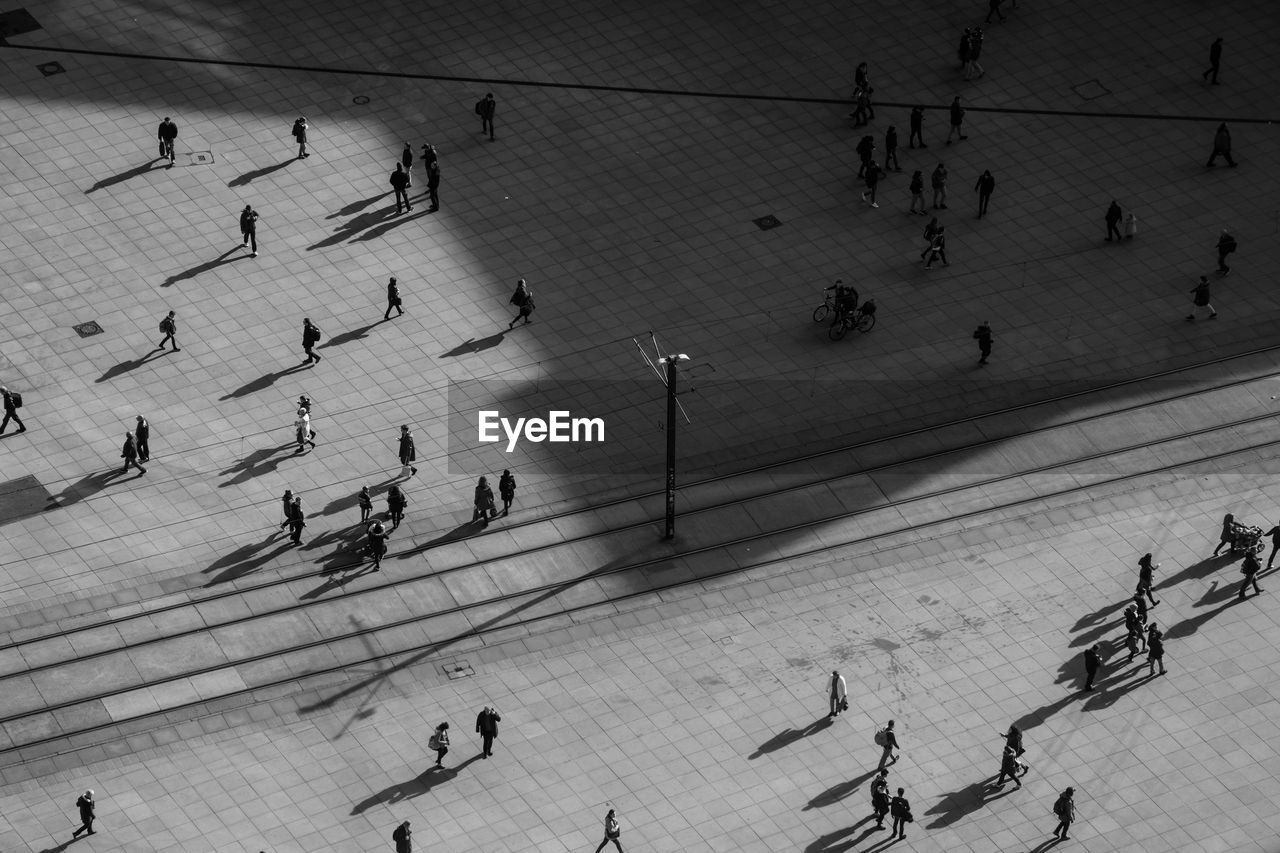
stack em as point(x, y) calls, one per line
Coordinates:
point(85, 487)
point(357, 206)
point(354, 227)
point(394, 222)
point(415, 787)
point(348, 336)
point(959, 804)
point(125, 366)
point(246, 559)
point(839, 791)
point(250, 177)
point(349, 502)
point(122, 177)
point(263, 382)
point(224, 258)
point(790, 736)
point(831, 843)
point(472, 345)
point(256, 464)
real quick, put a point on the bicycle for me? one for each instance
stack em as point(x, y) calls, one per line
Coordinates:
point(860, 320)
point(828, 305)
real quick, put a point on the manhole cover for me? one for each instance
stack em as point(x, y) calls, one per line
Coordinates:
point(764, 223)
point(49, 69)
point(360, 99)
point(458, 669)
point(88, 330)
point(200, 158)
point(1092, 89)
point(16, 23)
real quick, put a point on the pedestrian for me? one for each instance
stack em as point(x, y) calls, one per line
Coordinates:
point(938, 248)
point(286, 506)
point(433, 184)
point(891, 149)
point(975, 51)
point(167, 133)
point(403, 837)
point(939, 181)
point(1215, 61)
point(88, 808)
point(365, 501)
point(393, 299)
point(400, 184)
point(408, 453)
point(249, 230)
point(1092, 662)
point(1140, 603)
point(378, 536)
point(406, 160)
point(1226, 245)
point(966, 41)
point(1009, 766)
point(142, 437)
point(428, 154)
point(169, 326)
point(486, 109)
point(1013, 739)
point(1250, 568)
point(129, 453)
point(302, 430)
point(1131, 638)
point(985, 186)
point(900, 808)
point(1221, 146)
point(507, 491)
point(523, 299)
point(440, 743)
point(874, 174)
point(957, 120)
point(296, 520)
point(310, 337)
point(880, 796)
point(484, 507)
point(1113, 220)
point(889, 742)
point(1200, 301)
point(1228, 525)
point(13, 402)
point(1130, 226)
point(861, 76)
point(837, 693)
point(917, 127)
point(929, 231)
point(1274, 533)
point(487, 727)
point(1155, 649)
point(866, 150)
point(612, 832)
point(917, 192)
point(300, 134)
point(1065, 809)
point(396, 503)
point(1145, 570)
point(1135, 624)
point(982, 335)
point(993, 8)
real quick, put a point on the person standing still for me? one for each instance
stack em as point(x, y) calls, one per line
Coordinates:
point(939, 181)
point(985, 186)
point(900, 808)
point(484, 508)
point(507, 491)
point(88, 811)
point(142, 436)
point(406, 160)
point(300, 135)
point(167, 133)
point(1092, 662)
point(612, 832)
point(310, 337)
point(433, 183)
point(916, 188)
point(1155, 649)
point(1221, 147)
point(891, 149)
point(837, 693)
point(1010, 767)
point(129, 453)
point(1065, 809)
point(393, 299)
point(1200, 301)
point(403, 837)
point(408, 453)
point(487, 727)
point(169, 325)
point(440, 743)
point(957, 120)
point(889, 744)
point(1274, 533)
point(486, 109)
point(12, 402)
point(917, 127)
point(400, 183)
point(1113, 220)
point(1226, 245)
point(993, 8)
point(1215, 62)
point(365, 501)
point(982, 335)
point(249, 230)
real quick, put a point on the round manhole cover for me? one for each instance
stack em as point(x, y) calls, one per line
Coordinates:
point(360, 99)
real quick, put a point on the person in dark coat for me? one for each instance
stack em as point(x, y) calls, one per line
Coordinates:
point(966, 40)
point(890, 744)
point(249, 229)
point(1155, 649)
point(406, 160)
point(1065, 809)
point(891, 149)
point(1274, 533)
point(310, 337)
point(10, 411)
point(1226, 245)
point(985, 186)
point(525, 295)
point(300, 135)
point(167, 133)
point(917, 127)
point(142, 437)
point(1200, 301)
point(1228, 523)
point(866, 150)
point(982, 335)
point(1013, 739)
point(129, 453)
point(396, 503)
point(403, 837)
point(484, 508)
point(486, 110)
point(286, 507)
point(378, 536)
point(1250, 568)
point(937, 248)
point(900, 808)
point(408, 453)
point(88, 808)
point(487, 727)
point(507, 491)
point(957, 120)
point(1092, 663)
point(400, 185)
point(1010, 767)
point(872, 178)
point(169, 325)
point(880, 796)
point(365, 501)
point(1145, 570)
point(1114, 215)
point(433, 183)
point(1221, 146)
point(393, 299)
point(1215, 61)
point(297, 520)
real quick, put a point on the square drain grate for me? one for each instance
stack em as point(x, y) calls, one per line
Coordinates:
point(764, 223)
point(458, 669)
point(16, 23)
point(88, 330)
point(200, 158)
point(1090, 90)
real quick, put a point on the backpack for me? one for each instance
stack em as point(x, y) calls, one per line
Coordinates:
point(479, 108)
point(16, 399)
point(1229, 246)
point(433, 742)
point(1060, 807)
point(882, 739)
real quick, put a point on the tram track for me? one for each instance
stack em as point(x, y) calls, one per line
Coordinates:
point(473, 619)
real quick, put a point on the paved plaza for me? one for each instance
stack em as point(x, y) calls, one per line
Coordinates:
point(636, 148)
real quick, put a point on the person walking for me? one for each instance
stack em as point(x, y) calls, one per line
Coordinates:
point(129, 453)
point(917, 127)
point(1145, 570)
point(1250, 568)
point(484, 507)
point(1155, 649)
point(378, 536)
point(975, 51)
point(874, 174)
point(993, 8)
point(249, 230)
point(439, 741)
point(1113, 220)
point(1221, 147)
point(12, 402)
point(930, 231)
point(1228, 525)
point(1065, 809)
point(982, 335)
point(939, 181)
point(938, 248)
point(1140, 603)
point(837, 693)
point(428, 154)
point(396, 503)
point(880, 796)
point(403, 837)
point(1135, 623)
point(1092, 663)
point(297, 521)
point(408, 453)
point(302, 430)
point(300, 135)
point(523, 297)
point(1009, 766)
point(406, 160)
point(985, 186)
point(957, 120)
point(888, 742)
point(866, 150)
point(88, 812)
point(487, 727)
point(966, 42)
point(1200, 301)
point(365, 501)
point(142, 437)
point(433, 184)
point(1274, 533)
point(310, 337)
point(393, 299)
point(1013, 739)
point(1226, 245)
point(169, 326)
point(917, 193)
point(400, 184)
point(507, 491)
point(286, 507)
point(900, 808)
point(167, 133)
point(891, 149)
point(612, 832)
point(486, 109)
point(1215, 62)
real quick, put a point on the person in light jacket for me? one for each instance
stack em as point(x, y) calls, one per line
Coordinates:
point(838, 693)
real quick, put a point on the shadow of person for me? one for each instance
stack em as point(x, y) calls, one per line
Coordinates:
point(338, 578)
point(246, 559)
point(353, 227)
point(250, 177)
point(790, 736)
point(415, 787)
point(1224, 596)
point(462, 531)
point(958, 804)
point(831, 843)
point(1098, 623)
point(83, 488)
point(347, 337)
point(472, 345)
point(1045, 845)
point(357, 206)
point(392, 222)
point(125, 366)
point(1072, 669)
point(1109, 690)
point(122, 177)
point(254, 465)
point(63, 846)
point(1202, 569)
point(263, 382)
point(839, 791)
point(224, 258)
